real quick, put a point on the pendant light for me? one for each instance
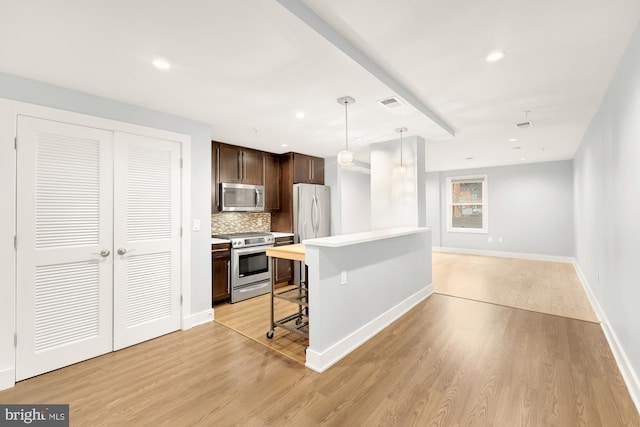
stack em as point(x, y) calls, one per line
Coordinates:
point(346, 157)
point(401, 169)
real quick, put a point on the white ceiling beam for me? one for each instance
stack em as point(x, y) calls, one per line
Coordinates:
point(309, 17)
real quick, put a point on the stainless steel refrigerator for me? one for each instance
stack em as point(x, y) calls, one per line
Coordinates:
point(311, 216)
point(311, 211)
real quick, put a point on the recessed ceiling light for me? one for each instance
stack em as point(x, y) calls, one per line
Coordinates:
point(495, 56)
point(359, 138)
point(161, 64)
point(284, 145)
point(513, 139)
point(522, 159)
point(299, 115)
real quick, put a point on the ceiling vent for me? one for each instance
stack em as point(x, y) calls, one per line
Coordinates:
point(391, 102)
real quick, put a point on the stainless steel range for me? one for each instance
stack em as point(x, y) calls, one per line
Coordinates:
point(250, 266)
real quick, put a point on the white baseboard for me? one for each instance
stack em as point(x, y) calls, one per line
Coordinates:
point(518, 255)
point(626, 369)
point(321, 361)
point(196, 319)
point(595, 304)
point(7, 378)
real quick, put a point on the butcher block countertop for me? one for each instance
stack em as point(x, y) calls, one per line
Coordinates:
point(293, 252)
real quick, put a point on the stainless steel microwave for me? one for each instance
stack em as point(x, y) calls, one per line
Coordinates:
point(241, 197)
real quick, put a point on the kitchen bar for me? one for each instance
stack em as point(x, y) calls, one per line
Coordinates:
point(360, 283)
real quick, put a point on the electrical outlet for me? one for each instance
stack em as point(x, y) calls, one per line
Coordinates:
point(196, 225)
point(260, 221)
point(343, 277)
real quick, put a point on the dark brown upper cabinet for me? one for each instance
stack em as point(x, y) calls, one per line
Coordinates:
point(271, 167)
point(239, 165)
point(308, 169)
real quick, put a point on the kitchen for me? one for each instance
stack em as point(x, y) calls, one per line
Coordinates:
point(254, 191)
point(252, 215)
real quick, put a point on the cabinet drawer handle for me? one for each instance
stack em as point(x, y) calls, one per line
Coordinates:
point(219, 250)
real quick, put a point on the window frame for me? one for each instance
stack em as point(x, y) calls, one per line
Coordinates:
point(483, 179)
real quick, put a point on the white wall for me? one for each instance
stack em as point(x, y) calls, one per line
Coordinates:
point(331, 179)
point(20, 89)
point(350, 197)
point(530, 208)
point(356, 201)
point(433, 209)
point(398, 199)
point(607, 212)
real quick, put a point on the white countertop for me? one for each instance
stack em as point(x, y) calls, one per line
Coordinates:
point(277, 234)
point(216, 241)
point(368, 236)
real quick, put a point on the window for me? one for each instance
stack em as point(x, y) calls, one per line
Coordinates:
point(467, 204)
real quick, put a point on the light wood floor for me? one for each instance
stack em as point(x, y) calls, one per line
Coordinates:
point(545, 287)
point(252, 318)
point(448, 362)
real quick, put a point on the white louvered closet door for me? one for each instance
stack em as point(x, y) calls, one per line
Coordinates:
point(64, 259)
point(146, 238)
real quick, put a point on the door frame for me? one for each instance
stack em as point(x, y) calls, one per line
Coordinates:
point(9, 111)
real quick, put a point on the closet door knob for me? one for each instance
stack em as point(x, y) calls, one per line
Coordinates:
point(103, 253)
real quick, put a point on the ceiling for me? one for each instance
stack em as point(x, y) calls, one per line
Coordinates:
point(246, 67)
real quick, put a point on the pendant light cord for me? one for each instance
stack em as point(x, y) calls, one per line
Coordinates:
point(401, 164)
point(346, 125)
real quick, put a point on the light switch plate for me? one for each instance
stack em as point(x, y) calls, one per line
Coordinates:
point(196, 225)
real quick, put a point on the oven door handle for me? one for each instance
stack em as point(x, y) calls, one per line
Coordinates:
point(252, 250)
point(253, 288)
point(229, 277)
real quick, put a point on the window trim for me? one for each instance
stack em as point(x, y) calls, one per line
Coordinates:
point(485, 205)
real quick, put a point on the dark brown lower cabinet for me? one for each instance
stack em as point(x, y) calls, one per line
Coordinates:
point(221, 271)
point(284, 267)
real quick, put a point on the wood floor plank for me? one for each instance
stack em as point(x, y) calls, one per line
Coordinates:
point(252, 319)
point(448, 362)
point(542, 286)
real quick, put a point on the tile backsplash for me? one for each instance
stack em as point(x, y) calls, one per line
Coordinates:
point(237, 222)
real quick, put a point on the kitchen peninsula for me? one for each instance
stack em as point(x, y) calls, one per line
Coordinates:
point(359, 284)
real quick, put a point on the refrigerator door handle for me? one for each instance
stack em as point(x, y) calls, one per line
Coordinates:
point(313, 215)
point(319, 215)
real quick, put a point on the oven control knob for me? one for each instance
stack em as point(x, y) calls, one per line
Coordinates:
point(237, 242)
